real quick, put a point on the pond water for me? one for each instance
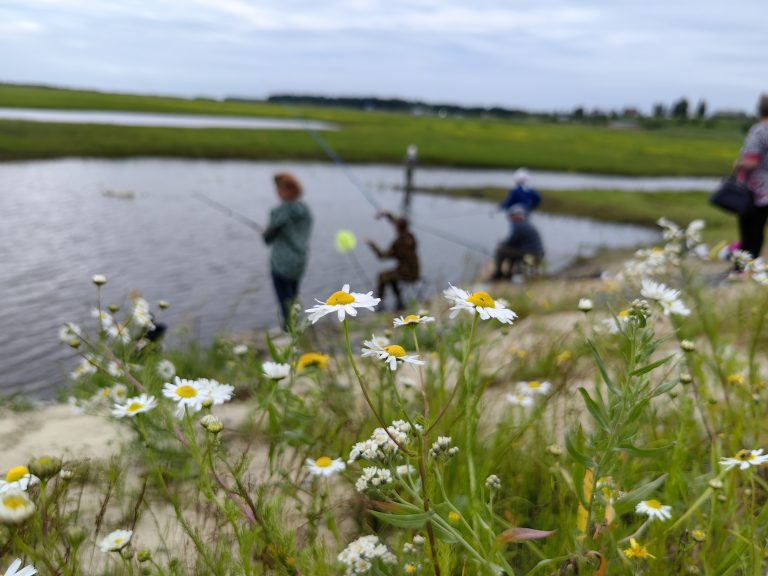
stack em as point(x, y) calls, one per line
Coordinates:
point(65, 220)
point(164, 120)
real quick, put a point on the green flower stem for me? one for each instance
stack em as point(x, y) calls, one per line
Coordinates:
point(29, 551)
point(462, 376)
point(366, 394)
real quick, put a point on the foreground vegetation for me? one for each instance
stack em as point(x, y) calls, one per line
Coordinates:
point(673, 149)
point(622, 438)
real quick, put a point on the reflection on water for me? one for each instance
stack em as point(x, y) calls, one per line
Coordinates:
point(165, 120)
point(59, 229)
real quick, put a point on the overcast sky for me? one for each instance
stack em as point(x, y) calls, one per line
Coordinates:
point(542, 54)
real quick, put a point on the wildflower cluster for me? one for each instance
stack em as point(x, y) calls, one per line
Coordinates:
point(383, 443)
point(361, 555)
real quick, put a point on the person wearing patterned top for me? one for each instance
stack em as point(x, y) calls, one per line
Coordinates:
point(752, 168)
point(288, 231)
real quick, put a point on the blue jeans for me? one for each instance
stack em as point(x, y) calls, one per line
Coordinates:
point(286, 289)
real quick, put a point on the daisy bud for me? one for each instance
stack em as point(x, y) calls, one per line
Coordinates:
point(586, 305)
point(163, 304)
point(207, 403)
point(687, 346)
point(113, 308)
point(685, 378)
point(66, 474)
point(75, 535)
point(144, 555)
point(493, 482)
point(454, 517)
point(691, 569)
point(208, 420)
point(74, 343)
point(555, 450)
point(99, 279)
point(418, 540)
point(127, 553)
point(722, 498)
point(698, 535)
point(45, 467)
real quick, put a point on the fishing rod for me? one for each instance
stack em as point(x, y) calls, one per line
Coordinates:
point(331, 153)
point(227, 211)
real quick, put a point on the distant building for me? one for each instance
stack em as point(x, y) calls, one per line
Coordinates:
point(730, 115)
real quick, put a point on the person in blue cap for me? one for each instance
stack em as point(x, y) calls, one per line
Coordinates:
point(522, 194)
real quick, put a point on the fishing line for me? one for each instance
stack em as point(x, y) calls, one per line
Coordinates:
point(227, 211)
point(331, 153)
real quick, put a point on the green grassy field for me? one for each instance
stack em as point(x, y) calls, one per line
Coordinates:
point(642, 208)
point(366, 137)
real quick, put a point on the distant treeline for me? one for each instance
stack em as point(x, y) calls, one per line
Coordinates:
point(399, 105)
point(679, 111)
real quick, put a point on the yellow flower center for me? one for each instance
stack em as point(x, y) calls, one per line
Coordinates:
point(481, 299)
point(520, 397)
point(410, 569)
point(134, 407)
point(14, 502)
point(395, 350)
point(323, 462)
point(118, 541)
point(340, 298)
point(745, 455)
point(534, 384)
point(655, 504)
point(186, 391)
point(735, 379)
point(313, 360)
point(411, 319)
point(453, 517)
point(623, 314)
point(16, 474)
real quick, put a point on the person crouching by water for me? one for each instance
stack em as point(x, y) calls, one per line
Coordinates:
point(288, 231)
point(524, 241)
point(403, 249)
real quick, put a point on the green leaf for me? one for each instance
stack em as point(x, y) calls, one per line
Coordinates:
point(644, 452)
point(404, 520)
point(601, 366)
point(523, 535)
point(574, 451)
point(652, 366)
point(443, 534)
point(628, 501)
point(664, 388)
point(273, 352)
point(595, 410)
point(637, 409)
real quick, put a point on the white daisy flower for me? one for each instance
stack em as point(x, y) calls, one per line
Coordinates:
point(69, 332)
point(119, 332)
point(99, 279)
point(667, 298)
point(141, 315)
point(104, 318)
point(215, 391)
point(391, 354)
point(119, 392)
point(13, 569)
point(342, 303)
point(135, 405)
point(518, 399)
point(187, 395)
point(614, 325)
point(325, 466)
point(276, 371)
point(18, 478)
point(114, 369)
point(239, 349)
point(533, 387)
point(745, 458)
point(412, 320)
point(85, 368)
point(585, 304)
point(15, 506)
point(165, 369)
point(116, 541)
point(480, 302)
point(654, 509)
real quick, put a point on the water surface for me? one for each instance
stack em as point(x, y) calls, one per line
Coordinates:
point(59, 229)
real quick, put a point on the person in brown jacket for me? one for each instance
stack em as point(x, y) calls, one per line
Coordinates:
point(403, 249)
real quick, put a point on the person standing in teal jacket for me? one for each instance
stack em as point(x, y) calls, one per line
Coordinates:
point(288, 231)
